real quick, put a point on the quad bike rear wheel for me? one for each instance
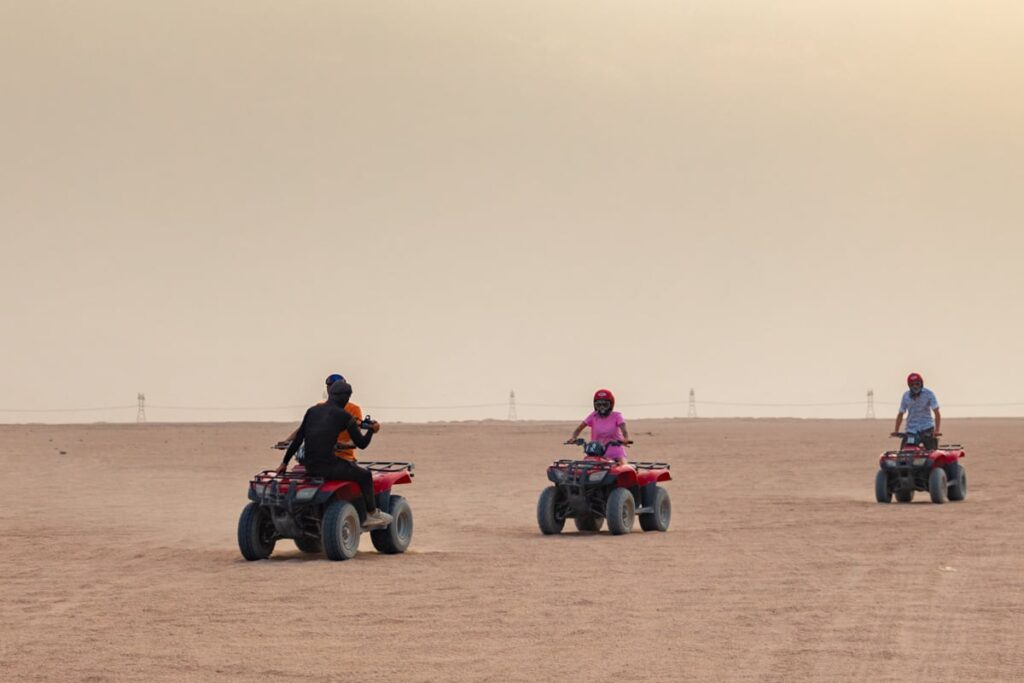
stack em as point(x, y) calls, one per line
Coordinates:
point(340, 531)
point(958, 482)
point(546, 512)
point(883, 494)
point(658, 519)
point(589, 523)
point(937, 484)
point(256, 533)
point(620, 511)
point(395, 537)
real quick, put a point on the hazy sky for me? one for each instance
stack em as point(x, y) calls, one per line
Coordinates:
point(218, 203)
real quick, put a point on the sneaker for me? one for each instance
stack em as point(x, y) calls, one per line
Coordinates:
point(377, 520)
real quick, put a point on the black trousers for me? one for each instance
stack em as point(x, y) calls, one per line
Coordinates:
point(927, 439)
point(346, 470)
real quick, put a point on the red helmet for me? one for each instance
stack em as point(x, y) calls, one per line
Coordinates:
point(604, 395)
point(914, 377)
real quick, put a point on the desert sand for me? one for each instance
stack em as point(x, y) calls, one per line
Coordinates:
point(120, 562)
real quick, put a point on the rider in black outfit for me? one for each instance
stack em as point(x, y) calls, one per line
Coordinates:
point(319, 430)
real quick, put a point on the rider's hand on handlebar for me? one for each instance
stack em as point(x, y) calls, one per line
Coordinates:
point(280, 445)
point(374, 426)
point(895, 434)
point(281, 468)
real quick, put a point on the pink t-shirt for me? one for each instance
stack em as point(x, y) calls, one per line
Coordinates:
point(605, 429)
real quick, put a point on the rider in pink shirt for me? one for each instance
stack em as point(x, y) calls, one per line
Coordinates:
point(605, 425)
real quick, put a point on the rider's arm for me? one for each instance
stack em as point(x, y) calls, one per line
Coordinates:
point(297, 439)
point(938, 421)
point(899, 421)
point(358, 438)
point(578, 431)
point(625, 434)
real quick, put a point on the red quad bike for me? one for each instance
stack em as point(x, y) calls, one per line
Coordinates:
point(915, 468)
point(595, 488)
point(323, 515)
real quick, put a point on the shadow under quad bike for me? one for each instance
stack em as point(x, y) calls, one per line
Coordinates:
point(914, 467)
point(323, 515)
point(596, 489)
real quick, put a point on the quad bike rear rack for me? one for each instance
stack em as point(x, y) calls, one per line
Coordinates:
point(651, 465)
point(387, 466)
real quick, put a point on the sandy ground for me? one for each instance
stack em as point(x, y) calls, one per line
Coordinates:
point(119, 562)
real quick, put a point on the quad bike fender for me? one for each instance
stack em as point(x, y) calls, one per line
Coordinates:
point(341, 490)
point(645, 477)
point(943, 458)
point(383, 481)
point(349, 490)
point(625, 477)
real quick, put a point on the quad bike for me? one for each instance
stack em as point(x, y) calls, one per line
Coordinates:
point(323, 515)
point(596, 489)
point(914, 467)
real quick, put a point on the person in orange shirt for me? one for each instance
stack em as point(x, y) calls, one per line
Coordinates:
point(352, 409)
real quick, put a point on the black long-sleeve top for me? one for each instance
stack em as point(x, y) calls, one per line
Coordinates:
point(320, 428)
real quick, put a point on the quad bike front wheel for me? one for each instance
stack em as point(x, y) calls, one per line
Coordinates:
point(905, 495)
point(546, 519)
point(883, 494)
point(256, 533)
point(958, 482)
point(340, 531)
point(395, 537)
point(658, 519)
point(937, 485)
point(620, 511)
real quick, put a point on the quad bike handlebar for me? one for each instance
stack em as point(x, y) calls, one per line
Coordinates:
point(366, 423)
point(583, 442)
point(283, 446)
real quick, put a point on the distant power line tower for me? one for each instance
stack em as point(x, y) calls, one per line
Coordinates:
point(871, 405)
point(512, 405)
point(141, 416)
point(691, 411)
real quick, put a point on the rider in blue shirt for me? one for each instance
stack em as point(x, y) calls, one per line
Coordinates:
point(920, 404)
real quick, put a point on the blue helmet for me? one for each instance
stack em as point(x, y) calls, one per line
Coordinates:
point(331, 379)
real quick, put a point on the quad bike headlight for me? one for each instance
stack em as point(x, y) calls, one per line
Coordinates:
point(920, 461)
point(596, 476)
point(259, 489)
